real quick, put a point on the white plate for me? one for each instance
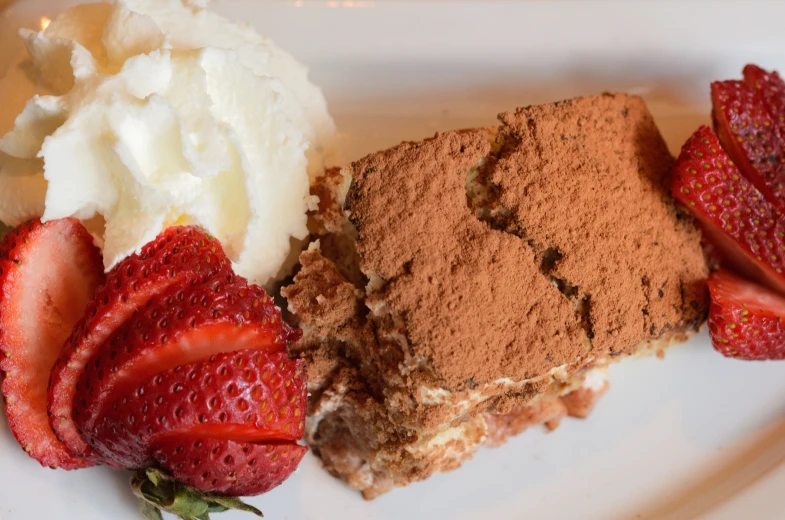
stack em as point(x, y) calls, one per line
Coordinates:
point(693, 436)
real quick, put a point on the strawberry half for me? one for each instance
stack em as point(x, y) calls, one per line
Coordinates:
point(243, 396)
point(745, 319)
point(177, 257)
point(184, 325)
point(747, 229)
point(48, 274)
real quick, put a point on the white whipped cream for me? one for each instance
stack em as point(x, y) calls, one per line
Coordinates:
point(143, 114)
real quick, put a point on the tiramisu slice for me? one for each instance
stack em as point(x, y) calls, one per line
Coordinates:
point(498, 272)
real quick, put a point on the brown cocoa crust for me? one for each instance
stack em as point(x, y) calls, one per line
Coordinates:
point(586, 183)
point(590, 178)
point(322, 294)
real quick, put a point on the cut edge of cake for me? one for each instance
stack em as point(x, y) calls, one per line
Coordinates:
point(378, 415)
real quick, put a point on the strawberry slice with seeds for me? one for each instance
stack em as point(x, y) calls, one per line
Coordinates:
point(48, 274)
point(746, 228)
point(771, 89)
point(748, 133)
point(184, 325)
point(745, 319)
point(178, 256)
point(245, 395)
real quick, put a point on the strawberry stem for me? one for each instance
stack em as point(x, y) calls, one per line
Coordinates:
point(157, 492)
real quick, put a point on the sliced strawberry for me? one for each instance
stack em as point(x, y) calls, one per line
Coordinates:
point(771, 89)
point(176, 257)
point(745, 319)
point(737, 219)
point(229, 467)
point(245, 395)
point(747, 132)
point(48, 274)
point(184, 325)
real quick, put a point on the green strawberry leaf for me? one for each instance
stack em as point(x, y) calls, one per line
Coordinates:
point(157, 492)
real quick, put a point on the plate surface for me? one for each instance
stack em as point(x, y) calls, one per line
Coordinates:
point(693, 436)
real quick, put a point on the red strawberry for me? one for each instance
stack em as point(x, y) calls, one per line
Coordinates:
point(747, 132)
point(771, 89)
point(174, 352)
point(245, 395)
point(745, 319)
point(737, 219)
point(48, 274)
point(176, 257)
point(184, 325)
point(229, 467)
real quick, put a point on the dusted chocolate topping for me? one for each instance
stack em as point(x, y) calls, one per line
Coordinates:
point(329, 310)
point(472, 298)
point(588, 180)
point(320, 282)
point(573, 251)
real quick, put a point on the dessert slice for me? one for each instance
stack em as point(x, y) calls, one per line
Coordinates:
point(500, 271)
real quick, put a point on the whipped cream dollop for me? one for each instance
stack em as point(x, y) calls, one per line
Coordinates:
point(142, 114)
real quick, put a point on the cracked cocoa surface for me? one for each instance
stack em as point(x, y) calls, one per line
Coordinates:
point(568, 211)
point(630, 229)
point(471, 298)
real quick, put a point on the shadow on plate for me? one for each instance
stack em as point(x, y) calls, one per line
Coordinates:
point(761, 454)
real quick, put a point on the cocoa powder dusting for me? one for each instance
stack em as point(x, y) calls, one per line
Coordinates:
point(589, 181)
point(328, 309)
point(322, 294)
point(576, 253)
point(472, 298)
